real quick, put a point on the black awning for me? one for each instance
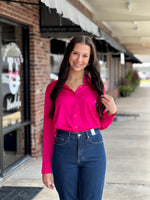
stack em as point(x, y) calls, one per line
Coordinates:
point(111, 41)
point(66, 10)
point(102, 46)
point(108, 44)
point(129, 57)
point(54, 25)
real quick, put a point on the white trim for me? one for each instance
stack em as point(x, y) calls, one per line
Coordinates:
point(68, 11)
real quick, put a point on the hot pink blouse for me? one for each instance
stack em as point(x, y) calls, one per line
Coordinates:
point(74, 112)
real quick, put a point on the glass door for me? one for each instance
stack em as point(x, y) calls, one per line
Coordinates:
point(14, 88)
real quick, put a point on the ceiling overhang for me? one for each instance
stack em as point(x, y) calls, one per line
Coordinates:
point(126, 20)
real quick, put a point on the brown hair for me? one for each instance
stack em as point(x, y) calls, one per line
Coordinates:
point(91, 70)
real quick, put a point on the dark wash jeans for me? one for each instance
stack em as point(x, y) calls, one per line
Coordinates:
point(79, 165)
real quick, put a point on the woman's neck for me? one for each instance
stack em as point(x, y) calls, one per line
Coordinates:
point(75, 76)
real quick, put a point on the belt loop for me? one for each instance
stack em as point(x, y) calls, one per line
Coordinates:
point(87, 134)
point(69, 134)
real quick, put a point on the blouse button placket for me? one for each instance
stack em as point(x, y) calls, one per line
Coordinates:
point(74, 112)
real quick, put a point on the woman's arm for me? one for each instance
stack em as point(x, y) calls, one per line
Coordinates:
point(111, 108)
point(48, 132)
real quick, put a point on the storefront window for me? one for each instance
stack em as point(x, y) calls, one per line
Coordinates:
point(14, 147)
point(12, 84)
point(13, 94)
point(115, 72)
point(104, 69)
point(55, 66)
point(57, 52)
point(123, 70)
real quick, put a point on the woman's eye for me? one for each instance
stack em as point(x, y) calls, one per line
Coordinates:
point(85, 56)
point(74, 53)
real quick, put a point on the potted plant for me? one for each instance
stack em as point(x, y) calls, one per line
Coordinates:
point(129, 83)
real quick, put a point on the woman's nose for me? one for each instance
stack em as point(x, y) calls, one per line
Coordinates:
point(79, 58)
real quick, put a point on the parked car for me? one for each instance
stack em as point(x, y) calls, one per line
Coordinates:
point(142, 75)
point(148, 75)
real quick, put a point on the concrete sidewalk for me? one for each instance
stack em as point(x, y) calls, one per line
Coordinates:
point(127, 144)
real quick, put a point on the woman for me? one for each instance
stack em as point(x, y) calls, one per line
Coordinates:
point(76, 109)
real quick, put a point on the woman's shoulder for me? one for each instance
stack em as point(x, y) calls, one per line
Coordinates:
point(51, 86)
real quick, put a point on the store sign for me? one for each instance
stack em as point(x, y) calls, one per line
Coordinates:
point(122, 58)
point(12, 56)
point(13, 103)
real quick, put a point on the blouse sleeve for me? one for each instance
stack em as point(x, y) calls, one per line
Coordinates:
point(48, 132)
point(107, 120)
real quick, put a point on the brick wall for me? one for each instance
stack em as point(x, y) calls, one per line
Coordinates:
point(39, 64)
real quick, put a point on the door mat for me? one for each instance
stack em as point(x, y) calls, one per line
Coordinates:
point(19, 193)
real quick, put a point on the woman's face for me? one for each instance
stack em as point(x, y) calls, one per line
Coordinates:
point(79, 57)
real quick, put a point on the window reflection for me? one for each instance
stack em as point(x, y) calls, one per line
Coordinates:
point(11, 119)
point(55, 65)
point(12, 93)
point(12, 79)
point(14, 147)
point(104, 69)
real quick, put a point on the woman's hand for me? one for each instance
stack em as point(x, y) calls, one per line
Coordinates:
point(48, 180)
point(109, 103)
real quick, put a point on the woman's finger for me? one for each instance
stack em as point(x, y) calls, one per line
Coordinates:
point(109, 103)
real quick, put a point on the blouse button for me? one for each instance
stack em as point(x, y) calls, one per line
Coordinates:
point(75, 115)
point(76, 127)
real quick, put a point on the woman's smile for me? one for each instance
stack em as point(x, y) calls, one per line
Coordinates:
point(77, 65)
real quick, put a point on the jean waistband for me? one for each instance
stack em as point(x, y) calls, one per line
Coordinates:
point(90, 132)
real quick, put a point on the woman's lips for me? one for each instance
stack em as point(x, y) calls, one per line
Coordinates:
point(77, 65)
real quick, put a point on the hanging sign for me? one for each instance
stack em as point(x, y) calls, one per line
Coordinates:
point(122, 58)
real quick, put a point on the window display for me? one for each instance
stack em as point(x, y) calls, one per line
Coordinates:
point(12, 94)
point(12, 84)
point(104, 69)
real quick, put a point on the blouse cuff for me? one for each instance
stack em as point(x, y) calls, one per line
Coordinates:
point(112, 114)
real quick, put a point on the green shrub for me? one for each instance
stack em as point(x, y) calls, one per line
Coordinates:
point(129, 83)
point(125, 90)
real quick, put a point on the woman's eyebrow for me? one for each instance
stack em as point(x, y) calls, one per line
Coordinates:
point(79, 52)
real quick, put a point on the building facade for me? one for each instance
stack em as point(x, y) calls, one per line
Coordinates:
point(28, 54)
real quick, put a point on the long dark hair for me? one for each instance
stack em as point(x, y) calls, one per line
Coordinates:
point(91, 70)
